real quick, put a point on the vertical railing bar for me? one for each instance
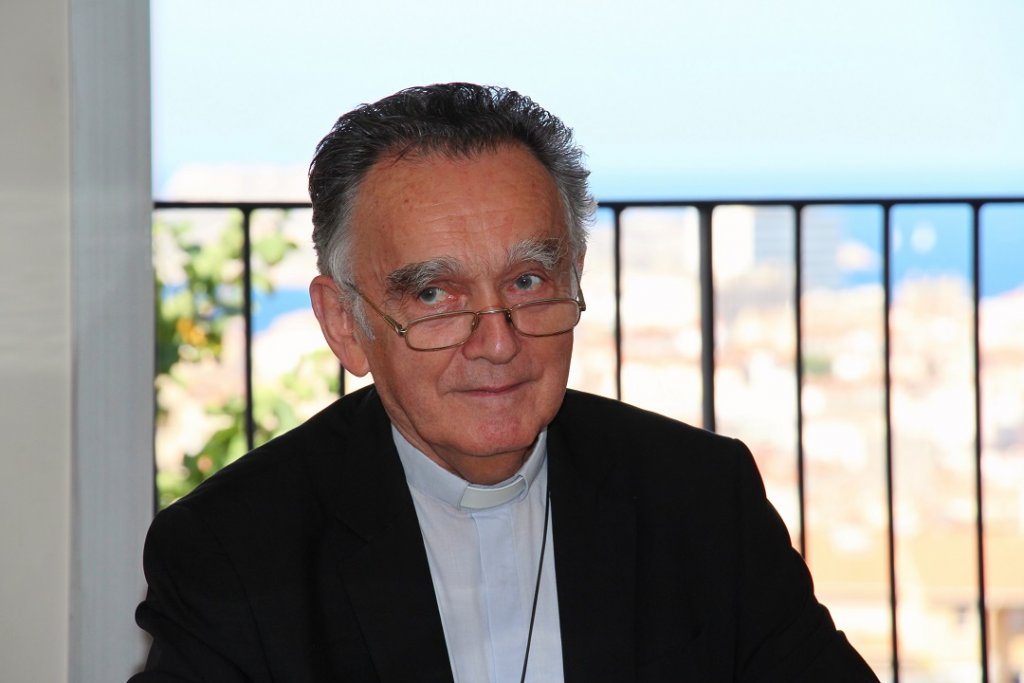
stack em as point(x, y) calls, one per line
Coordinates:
point(617, 274)
point(798, 285)
point(707, 315)
point(250, 422)
point(978, 438)
point(889, 498)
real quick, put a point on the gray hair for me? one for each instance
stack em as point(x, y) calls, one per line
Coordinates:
point(454, 119)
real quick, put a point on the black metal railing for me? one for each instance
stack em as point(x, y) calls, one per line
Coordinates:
point(705, 209)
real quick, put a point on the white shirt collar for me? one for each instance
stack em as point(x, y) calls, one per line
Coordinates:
point(428, 477)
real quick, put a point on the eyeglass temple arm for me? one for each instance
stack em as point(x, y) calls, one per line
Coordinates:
point(395, 325)
point(579, 290)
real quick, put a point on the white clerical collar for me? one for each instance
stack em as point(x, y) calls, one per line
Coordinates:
point(427, 476)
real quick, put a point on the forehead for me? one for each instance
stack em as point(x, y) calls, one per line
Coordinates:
point(473, 209)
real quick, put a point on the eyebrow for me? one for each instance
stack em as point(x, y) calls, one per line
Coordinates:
point(547, 252)
point(414, 277)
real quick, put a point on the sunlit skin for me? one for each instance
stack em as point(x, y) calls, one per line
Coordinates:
point(475, 409)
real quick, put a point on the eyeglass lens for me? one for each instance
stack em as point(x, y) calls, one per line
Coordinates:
point(542, 318)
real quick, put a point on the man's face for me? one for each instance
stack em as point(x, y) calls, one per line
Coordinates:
point(433, 234)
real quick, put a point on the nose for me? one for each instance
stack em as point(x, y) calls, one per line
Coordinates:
point(494, 340)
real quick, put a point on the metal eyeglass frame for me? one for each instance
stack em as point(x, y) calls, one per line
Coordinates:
point(402, 330)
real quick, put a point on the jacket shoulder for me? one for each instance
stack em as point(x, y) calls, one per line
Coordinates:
point(325, 435)
point(287, 481)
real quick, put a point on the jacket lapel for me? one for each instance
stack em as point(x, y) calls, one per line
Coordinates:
point(381, 559)
point(595, 542)
point(383, 564)
point(391, 592)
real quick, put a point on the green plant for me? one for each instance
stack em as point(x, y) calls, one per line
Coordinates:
point(192, 316)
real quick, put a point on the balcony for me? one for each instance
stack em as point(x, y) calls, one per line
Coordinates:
point(870, 351)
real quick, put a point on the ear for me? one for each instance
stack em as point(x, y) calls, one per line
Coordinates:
point(337, 324)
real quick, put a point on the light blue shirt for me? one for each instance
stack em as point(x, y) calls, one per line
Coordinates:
point(483, 545)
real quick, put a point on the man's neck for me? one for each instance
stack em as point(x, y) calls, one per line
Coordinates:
point(484, 470)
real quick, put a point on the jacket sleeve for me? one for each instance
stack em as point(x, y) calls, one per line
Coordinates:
point(784, 633)
point(196, 608)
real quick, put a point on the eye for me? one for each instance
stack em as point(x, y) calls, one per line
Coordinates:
point(527, 282)
point(431, 296)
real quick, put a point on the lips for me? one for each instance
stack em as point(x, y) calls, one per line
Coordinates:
point(494, 390)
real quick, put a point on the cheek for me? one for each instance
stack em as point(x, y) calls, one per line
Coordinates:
point(551, 364)
point(413, 377)
point(560, 353)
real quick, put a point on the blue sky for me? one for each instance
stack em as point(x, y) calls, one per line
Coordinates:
point(677, 99)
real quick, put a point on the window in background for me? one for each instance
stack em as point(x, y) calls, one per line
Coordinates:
point(661, 342)
point(755, 343)
point(932, 407)
point(202, 416)
point(1001, 320)
point(843, 399)
point(200, 382)
point(294, 373)
point(593, 355)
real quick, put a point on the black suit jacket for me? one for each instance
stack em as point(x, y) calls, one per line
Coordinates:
point(304, 561)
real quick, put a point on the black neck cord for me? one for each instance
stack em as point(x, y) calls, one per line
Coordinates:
point(536, 591)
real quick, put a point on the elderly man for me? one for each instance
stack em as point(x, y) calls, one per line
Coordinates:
point(467, 518)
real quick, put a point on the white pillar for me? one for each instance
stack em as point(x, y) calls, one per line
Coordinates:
point(112, 334)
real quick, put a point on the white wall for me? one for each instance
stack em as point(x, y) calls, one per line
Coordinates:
point(76, 349)
point(35, 341)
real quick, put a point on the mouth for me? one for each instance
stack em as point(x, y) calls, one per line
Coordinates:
point(494, 390)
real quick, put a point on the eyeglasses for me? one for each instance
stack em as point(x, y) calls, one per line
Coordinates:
point(539, 318)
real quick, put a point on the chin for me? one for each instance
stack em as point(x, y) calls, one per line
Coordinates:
point(500, 439)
